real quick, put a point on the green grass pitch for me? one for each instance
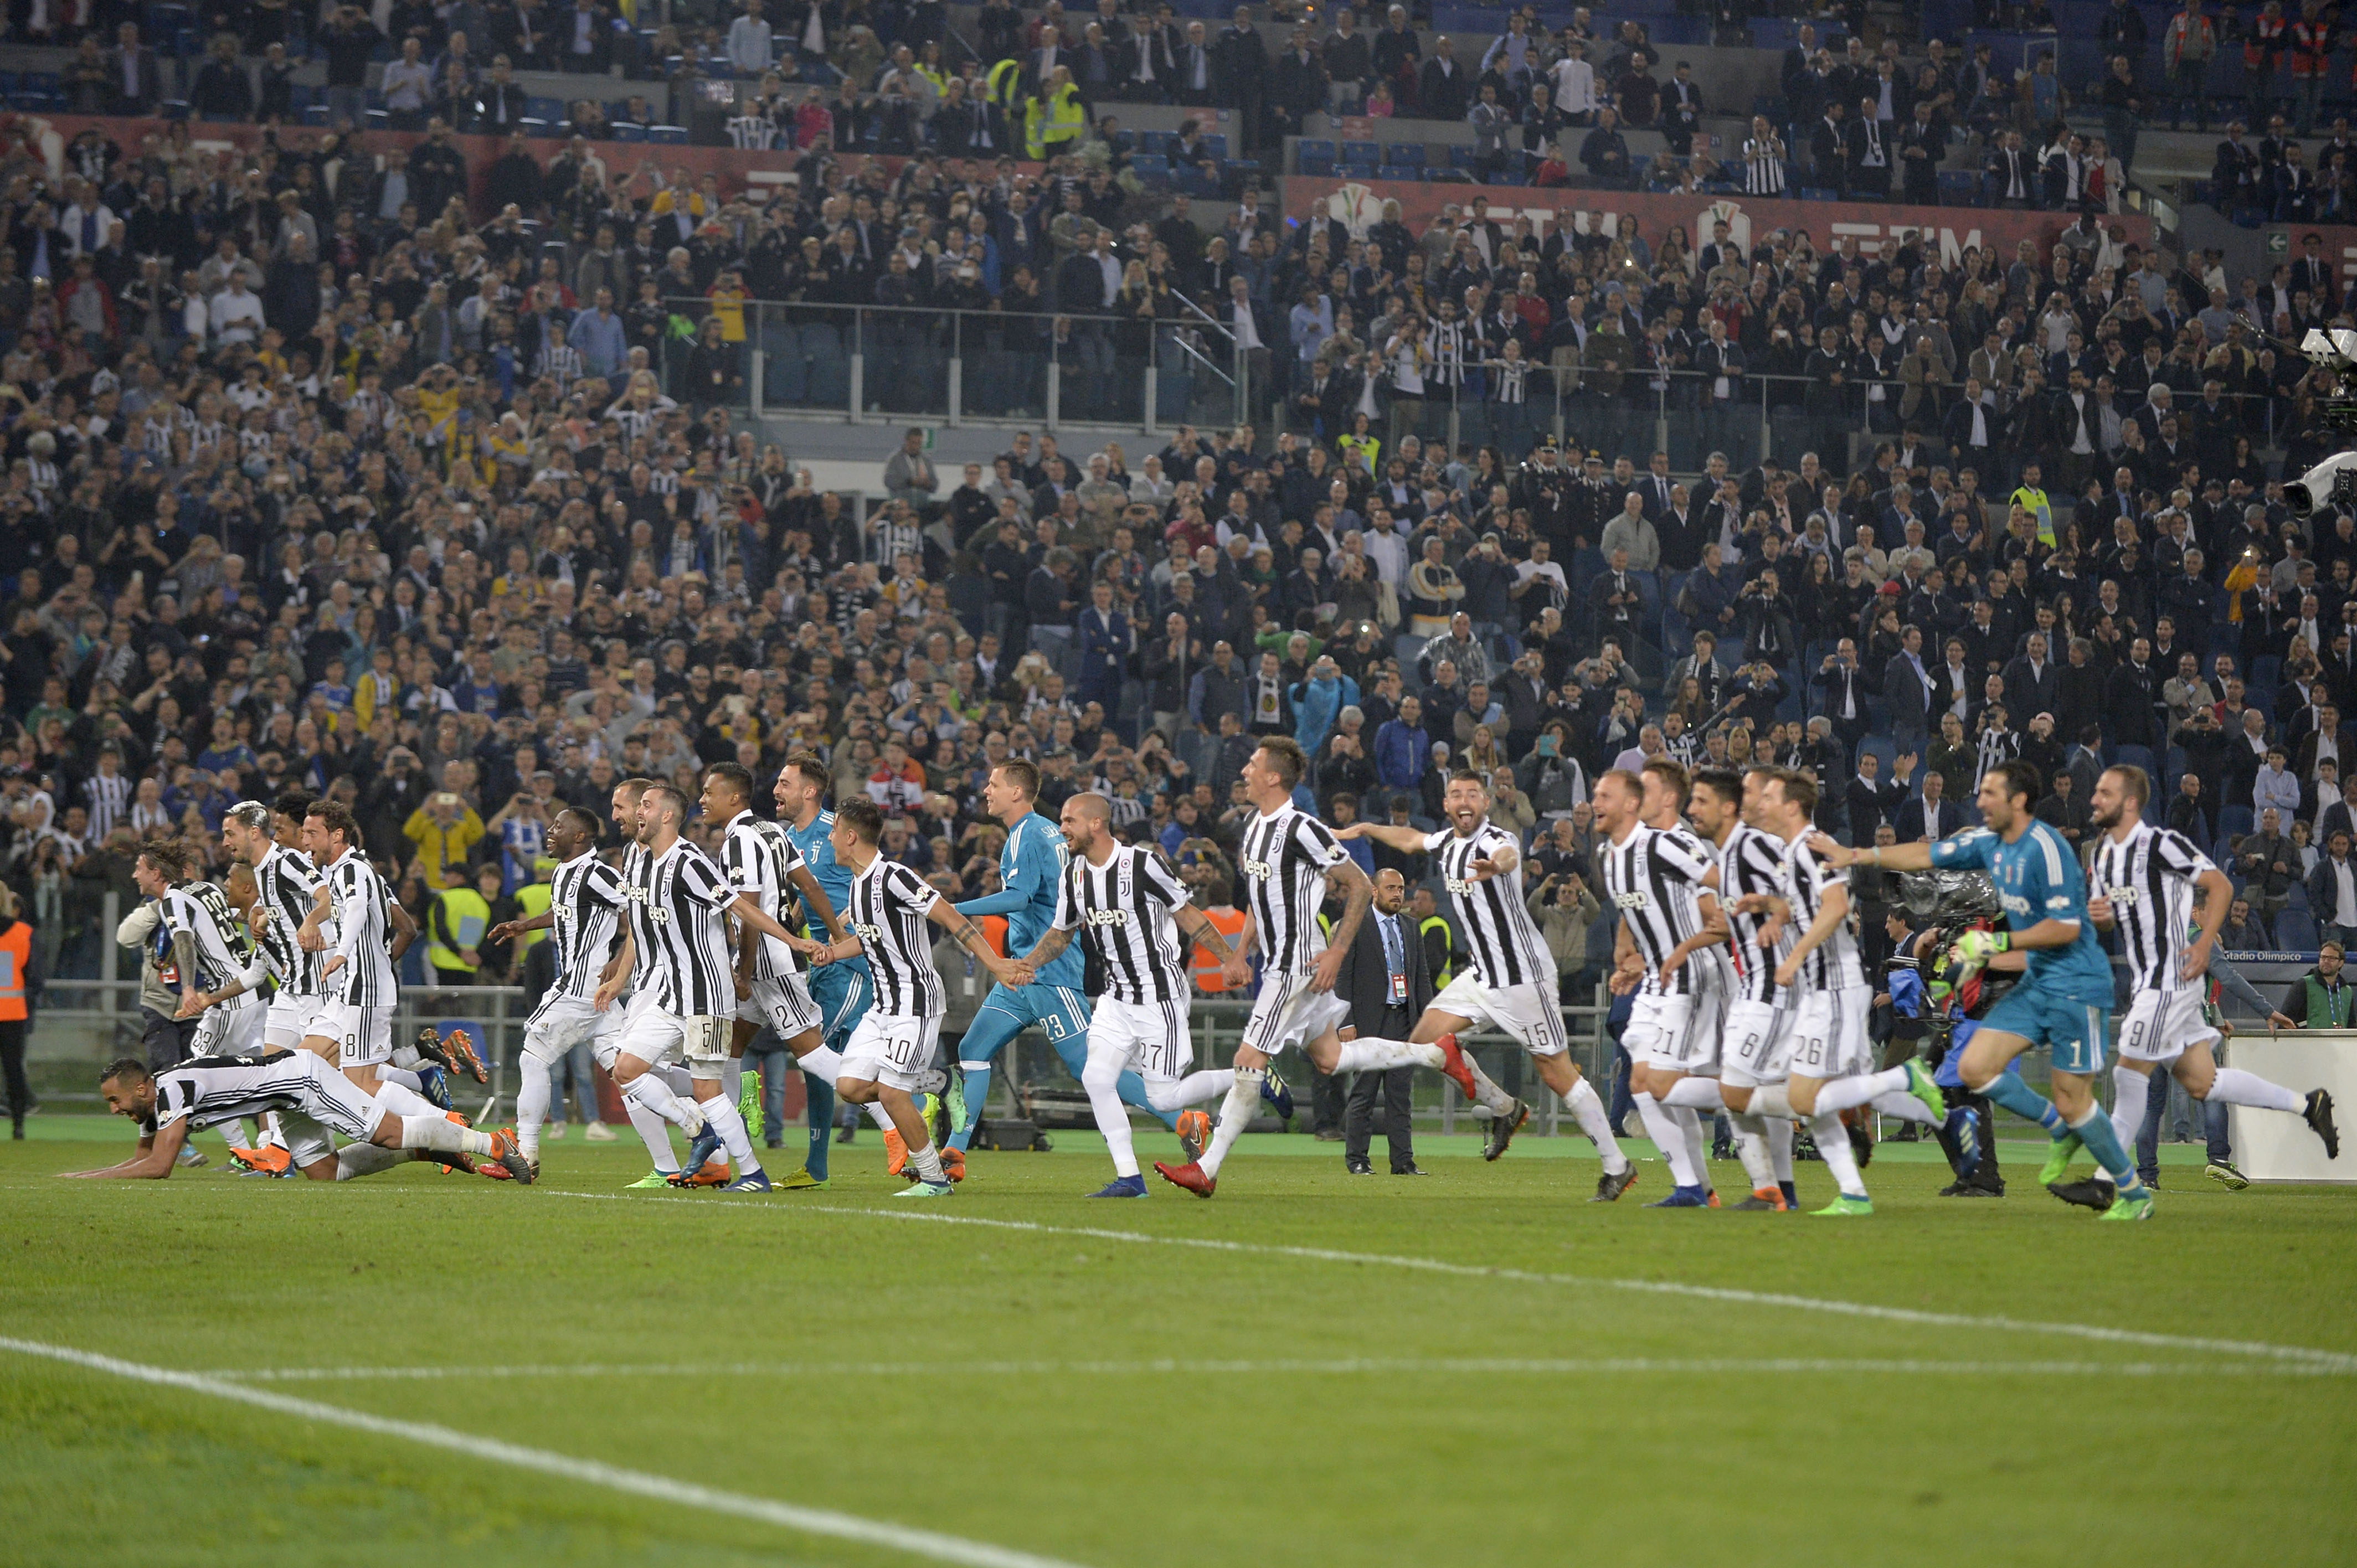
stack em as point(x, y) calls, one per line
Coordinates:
point(1385, 1371)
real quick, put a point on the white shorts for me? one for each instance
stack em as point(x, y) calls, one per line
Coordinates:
point(2162, 1025)
point(1529, 1011)
point(1827, 1034)
point(1288, 1013)
point(289, 1020)
point(893, 1051)
point(561, 1022)
point(306, 1141)
point(655, 1036)
point(363, 1036)
point(1758, 1043)
point(1151, 1037)
point(230, 1028)
point(1676, 1033)
point(784, 1003)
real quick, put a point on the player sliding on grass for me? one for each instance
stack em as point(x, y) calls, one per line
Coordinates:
point(893, 1047)
point(2062, 1003)
point(1288, 859)
point(1129, 909)
point(311, 1098)
point(2146, 880)
point(1510, 983)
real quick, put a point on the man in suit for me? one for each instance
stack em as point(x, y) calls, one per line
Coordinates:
point(1928, 817)
point(1922, 144)
point(1872, 798)
point(1829, 149)
point(1907, 687)
point(1388, 983)
point(1844, 682)
point(131, 73)
point(2033, 680)
point(1869, 155)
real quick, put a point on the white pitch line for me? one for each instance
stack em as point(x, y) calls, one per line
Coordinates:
point(1348, 1367)
point(2328, 1360)
point(663, 1489)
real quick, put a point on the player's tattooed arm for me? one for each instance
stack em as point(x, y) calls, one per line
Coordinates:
point(184, 958)
point(1359, 896)
point(1200, 932)
point(1236, 968)
point(968, 935)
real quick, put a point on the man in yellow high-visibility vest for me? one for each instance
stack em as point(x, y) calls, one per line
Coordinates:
point(1055, 120)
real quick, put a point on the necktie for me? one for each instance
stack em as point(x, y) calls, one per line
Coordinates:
point(1395, 955)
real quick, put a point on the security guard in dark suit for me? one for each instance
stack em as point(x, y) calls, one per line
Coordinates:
point(1386, 981)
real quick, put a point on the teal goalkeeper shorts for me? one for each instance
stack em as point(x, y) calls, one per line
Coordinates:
point(2071, 1030)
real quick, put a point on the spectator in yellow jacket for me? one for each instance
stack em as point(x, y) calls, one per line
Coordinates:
point(443, 830)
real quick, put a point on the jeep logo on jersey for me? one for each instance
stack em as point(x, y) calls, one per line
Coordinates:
point(1259, 868)
point(659, 915)
point(2123, 897)
point(1108, 917)
point(1629, 901)
point(1461, 886)
point(867, 932)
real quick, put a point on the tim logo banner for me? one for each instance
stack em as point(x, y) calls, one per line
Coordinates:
point(1869, 226)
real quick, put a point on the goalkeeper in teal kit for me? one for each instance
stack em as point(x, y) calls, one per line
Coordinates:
point(2067, 995)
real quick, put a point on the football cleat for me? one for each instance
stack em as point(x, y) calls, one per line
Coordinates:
point(505, 1152)
point(748, 1102)
point(1612, 1184)
point(1846, 1206)
point(896, 1153)
point(705, 1148)
point(712, 1173)
point(1766, 1198)
point(1188, 1175)
point(1919, 1085)
point(1194, 1134)
point(1791, 1194)
point(1459, 1070)
point(953, 1161)
point(265, 1159)
point(1964, 1126)
point(751, 1181)
point(2224, 1173)
point(799, 1179)
point(434, 1085)
point(191, 1156)
point(464, 1057)
point(653, 1179)
point(1502, 1130)
point(1123, 1186)
point(2088, 1193)
point(1861, 1141)
point(2132, 1206)
point(2319, 1116)
point(1682, 1197)
point(926, 1189)
point(497, 1172)
point(953, 1096)
point(1278, 1094)
point(2058, 1160)
point(1710, 1197)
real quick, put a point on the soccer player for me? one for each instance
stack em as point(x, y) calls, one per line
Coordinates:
point(653, 1130)
point(843, 990)
point(1659, 878)
point(683, 992)
point(2062, 1003)
point(311, 1098)
point(1129, 909)
point(1828, 1057)
point(353, 1028)
point(213, 959)
point(1030, 872)
point(2145, 883)
point(585, 906)
point(893, 1046)
point(274, 887)
point(1288, 858)
point(1510, 980)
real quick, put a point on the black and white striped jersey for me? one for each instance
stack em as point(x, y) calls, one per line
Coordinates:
point(888, 906)
point(761, 860)
point(360, 900)
point(584, 915)
point(1752, 862)
point(1500, 937)
point(107, 797)
point(2149, 876)
point(1285, 857)
point(200, 912)
point(1832, 964)
point(1655, 879)
point(679, 929)
point(207, 1092)
point(285, 883)
point(1122, 910)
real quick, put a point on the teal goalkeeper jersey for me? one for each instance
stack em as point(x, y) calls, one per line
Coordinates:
point(1030, 867)
point(2037, 878)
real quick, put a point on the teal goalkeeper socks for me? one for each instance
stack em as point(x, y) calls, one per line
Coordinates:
point(1132, 1090)
point(2103, 1143)
point(2026, 1102)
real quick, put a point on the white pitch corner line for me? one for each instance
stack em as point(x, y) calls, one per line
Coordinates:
point(914, 1543)
point(1358, 1366)
point(2324, 1360)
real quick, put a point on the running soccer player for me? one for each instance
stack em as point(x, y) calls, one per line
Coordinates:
point(2145, 883)
point(221, 970)
point(2062, 1004)
point(1288, 858)
point(354, 1026)
point(585, 905)
point(286, 887)
point(1510, 982)
point(654, 1130)
point(311, 1099)
point(1659, 878)
point(1030, 872)
point(842, 990)
point(1129, 909)
point(683, 991)
point(893, 1046)
point(1828, 1057)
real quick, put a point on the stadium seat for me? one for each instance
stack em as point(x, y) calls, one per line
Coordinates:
point(1463, 158)
point(2233, 821)
point(1316, 168)
point(1216, 146)
point(624, 131)
point(667, 136)
point(2298, 898)
point(1153, 141)
point(175, 109)
point(2295, 932)
point(2132, 757)
point(1361, 155)
point(1404, 154)
point(1316, 147)
point(1819, 193)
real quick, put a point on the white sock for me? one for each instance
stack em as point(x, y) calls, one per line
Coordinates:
point(233, 1135)
point(2235, 1087)
point(1378, 1055)
point(732, 1078)
point(1751, 1148)
point(1774, 1100)
point(1242, 1103)
point(403, 1101)
point(824, 1064)
point(1192, 1090)
point(653, 1132)
point(531, 1102)
point(1779, 1143)
point(1100, 1079)
point(1695, 1094)
point(354, 1160)
point(1698, 1146)
point(273, 1136)
point(1670, 1138)
point(1849, 1094)
point(658, 1097)
point(927, 1164)
point(1486, 1092)
point(1588, 1109)
point(729, 1122)
point(1904, 1107)
point(407, 1057)
point(440, 1133)
point(1833, 1147)
point(402, 1075)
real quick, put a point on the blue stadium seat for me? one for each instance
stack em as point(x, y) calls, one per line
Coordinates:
point(1153, 141)
point(1216, 145)
point(1462, 157)
point(315, 113)
point(624, 131)
point(2298, 898)
point(2233, 821)
point(175, 109)
point(1959, 187)
point(2294, 931)
point(379, 120)
point(1153, 165)
point(1819, 193)
point(549, 109)
point(1361, 155)
point(1404, 154)
point(1315, 168)
point(2132, 757)
point(667, 136)
point(1316, 148)
point(7, 82)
